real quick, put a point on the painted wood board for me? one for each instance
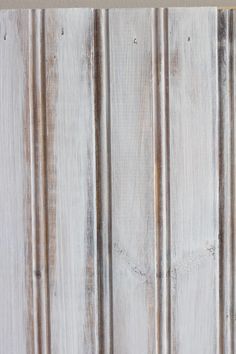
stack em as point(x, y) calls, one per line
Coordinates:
point(117, 181)
point(16, 276)
point(193, 178)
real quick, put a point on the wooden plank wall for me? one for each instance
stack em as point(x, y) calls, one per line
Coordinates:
point(117, 181)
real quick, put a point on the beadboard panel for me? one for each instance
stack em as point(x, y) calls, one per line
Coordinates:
point(117, 181)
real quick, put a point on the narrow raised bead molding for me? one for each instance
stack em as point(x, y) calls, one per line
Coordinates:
point(38, 157)
point(226, 70)
point(161, 177)
point(117, 186)
point(103, 178)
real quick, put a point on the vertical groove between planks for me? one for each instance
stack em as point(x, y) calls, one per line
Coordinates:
point(39, 183)
point(167, 181)
point(221, 27)
point(161, 177)
point(103, 178)
point(32, 177)
point(232, 184)
point(226, 176)
point(156, 164)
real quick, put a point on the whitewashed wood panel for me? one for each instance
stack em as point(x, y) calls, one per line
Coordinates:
point(117, 181)
point(71, 181)
point(16, 301)
point(193, 178)
point(132, 191)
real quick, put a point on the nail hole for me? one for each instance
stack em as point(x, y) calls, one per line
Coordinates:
point(5, 37)
point(188, 39)
point(37, 274)
point(135, 41)
point(62, 31)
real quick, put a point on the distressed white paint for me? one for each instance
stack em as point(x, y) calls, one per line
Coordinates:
point(15, 218)
point(193, 168)
point(71, 181)
point(132, 181)
point(117, 193)
point(15, 224)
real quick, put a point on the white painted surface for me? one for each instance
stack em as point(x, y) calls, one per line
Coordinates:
point(15, 216)
point(194, 207)
point(71, 181)
point(117, 191)
point(132, 181)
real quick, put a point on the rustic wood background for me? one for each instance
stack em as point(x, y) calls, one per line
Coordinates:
point(117, 181)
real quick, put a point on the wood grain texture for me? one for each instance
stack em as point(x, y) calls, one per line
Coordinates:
point(117, 186)
point(71, 181)
point(16, 296)
point(133, 236)
point(193, 178)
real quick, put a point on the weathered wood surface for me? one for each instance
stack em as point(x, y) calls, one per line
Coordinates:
point(132, 181)
point(117, 200)
point(71, 181)
point(16, 225)
point(193, 178)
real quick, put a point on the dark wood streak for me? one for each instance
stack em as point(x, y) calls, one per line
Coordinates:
point(98, 112)
point(232, 173)
point(90, 231)
point(221, 61)
point(168, 191)
point(45, 182)
point(23, 27)
point(51, 66)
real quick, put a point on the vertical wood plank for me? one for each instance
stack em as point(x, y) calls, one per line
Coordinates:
point(132, 181)
point(16, 303)
point(71, 181)
point(192, 35)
